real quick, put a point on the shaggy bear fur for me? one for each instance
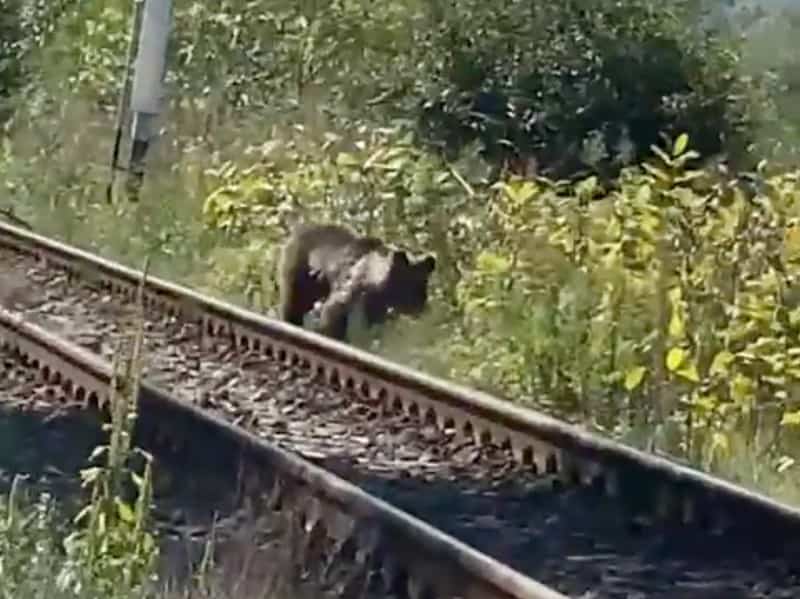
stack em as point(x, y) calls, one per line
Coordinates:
point(332, 264)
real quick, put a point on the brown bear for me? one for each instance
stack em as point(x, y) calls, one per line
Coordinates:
point(331, 263)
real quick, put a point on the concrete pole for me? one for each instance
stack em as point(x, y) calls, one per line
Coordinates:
point(148, 86)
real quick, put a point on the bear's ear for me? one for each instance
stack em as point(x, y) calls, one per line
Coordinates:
point(427, 264)
point(399, 258)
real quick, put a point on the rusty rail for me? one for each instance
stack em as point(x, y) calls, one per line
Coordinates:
point(397, 544)
point(651, 485)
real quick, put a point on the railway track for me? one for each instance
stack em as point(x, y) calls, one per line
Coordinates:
point(47, 438)
point(413, 559)
point(579, 513)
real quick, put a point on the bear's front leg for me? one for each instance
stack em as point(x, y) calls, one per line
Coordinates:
point(335, 314)
point(376, 311)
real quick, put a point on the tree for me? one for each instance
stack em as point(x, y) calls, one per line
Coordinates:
point(582, 84)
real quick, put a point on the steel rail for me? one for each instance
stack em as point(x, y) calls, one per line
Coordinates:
point(650, 485)
point(433, 563)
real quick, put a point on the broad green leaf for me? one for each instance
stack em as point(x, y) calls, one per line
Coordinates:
point(634, 377)
point(587, 187)
point(763, 346)
point(720, 363)
point(644, 194)
point(675, 358)
point(657, 172)
point(708, 403)
point(125, 512)
point(680, 145)
point(689, 372)
point(491, 262)
point(741, 388)
point(677, 328)
point(661, 154)
point(649, 223)
point(791, 419)
point(520, 192)
point(346, 159)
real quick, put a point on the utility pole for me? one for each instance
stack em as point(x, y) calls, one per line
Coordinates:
point(148, 86)
point(152, 22)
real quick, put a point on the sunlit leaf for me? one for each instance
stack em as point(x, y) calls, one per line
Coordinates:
point(676, 357)
point(520, 192)
point(791, 242)
point(741, 388)
point(125, 512)
point(689, 372)
point(680, 145)
point(677, 328)
point(634, 377)
point(657, 172)
point(707, 403)
point(491, 262)
point(791, 419)
point(661, 154)
point(720, 363)
point(347, 160)
point(643, 194)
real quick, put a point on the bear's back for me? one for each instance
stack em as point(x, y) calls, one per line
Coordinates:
point(333, 250)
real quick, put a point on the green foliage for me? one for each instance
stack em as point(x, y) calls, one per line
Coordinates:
point(692, 298)
point(764, 37)
point(381, 183)
point(667, 299)
point(574, 85)
point(27, 531)
point(10, 38)
point(583, 85)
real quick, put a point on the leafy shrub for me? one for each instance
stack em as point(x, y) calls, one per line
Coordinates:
point(583, 85)
point(10, 71)
point(668, 299)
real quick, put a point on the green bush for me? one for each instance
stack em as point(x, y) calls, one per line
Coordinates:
point(668, 301)
point(583, 85)
point(10, 66)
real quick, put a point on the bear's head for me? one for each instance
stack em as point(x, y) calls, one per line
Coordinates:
point(406, 287)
